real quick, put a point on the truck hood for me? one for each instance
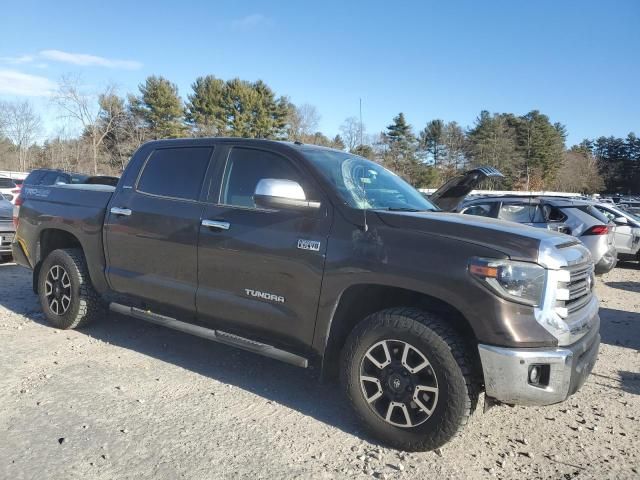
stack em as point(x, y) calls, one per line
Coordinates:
point(519, 242)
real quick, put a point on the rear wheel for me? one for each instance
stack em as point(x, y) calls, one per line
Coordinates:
point(409, 379)
point(67, 297)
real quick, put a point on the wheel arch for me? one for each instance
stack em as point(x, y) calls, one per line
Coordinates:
point(358, 301)
point(51, 239)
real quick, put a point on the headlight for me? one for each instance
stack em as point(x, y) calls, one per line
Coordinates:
point(520, 282)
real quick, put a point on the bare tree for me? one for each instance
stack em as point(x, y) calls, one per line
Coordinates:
point(303, 122)
point(578, 173)
point(21, 125)
point(96, 113)
point(351, 131)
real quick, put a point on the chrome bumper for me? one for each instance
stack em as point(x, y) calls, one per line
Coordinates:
point(506, 370)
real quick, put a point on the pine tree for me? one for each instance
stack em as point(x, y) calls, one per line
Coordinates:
point(205, 110)
point(432, 141)
point(400, 153)
point(160, 107)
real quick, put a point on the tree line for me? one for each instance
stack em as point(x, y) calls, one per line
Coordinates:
point(528, 149)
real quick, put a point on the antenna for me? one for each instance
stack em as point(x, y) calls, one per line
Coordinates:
point(360, 126)
point(364, 184)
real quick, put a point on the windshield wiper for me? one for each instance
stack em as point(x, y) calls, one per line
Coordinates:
point(402, 209)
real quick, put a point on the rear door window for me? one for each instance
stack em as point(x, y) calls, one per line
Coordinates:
point(481, 210)
point(175, 172)
point(34, 178)
point(521, 213)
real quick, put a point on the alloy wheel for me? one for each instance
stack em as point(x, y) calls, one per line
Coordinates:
point(57, 290)
point(399, 383)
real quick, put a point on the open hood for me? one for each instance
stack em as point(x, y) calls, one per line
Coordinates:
point(449, 196)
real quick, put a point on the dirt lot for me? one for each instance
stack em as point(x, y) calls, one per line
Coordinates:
point(124, 399)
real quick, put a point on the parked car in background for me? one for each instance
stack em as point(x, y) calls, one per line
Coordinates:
point(47, 176)
point(574, 217)
point(627, 236)
point(630, 205)
point(7, 229)
point(8, 188)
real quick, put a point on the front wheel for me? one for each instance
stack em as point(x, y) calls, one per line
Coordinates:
point(67, 297)
point(409, 378)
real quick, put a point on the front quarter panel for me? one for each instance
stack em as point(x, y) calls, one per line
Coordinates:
point(427, 263)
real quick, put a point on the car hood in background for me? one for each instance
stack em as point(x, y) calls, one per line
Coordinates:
point(519, 242)
point(449, 195)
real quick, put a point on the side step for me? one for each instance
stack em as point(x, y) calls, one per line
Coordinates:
point(210, 334)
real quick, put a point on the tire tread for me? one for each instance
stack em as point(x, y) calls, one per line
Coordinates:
point(414, 320)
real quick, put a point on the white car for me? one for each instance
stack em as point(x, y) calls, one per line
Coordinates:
point(9, 189)
point(627, 235)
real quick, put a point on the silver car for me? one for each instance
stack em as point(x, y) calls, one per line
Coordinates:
point(627, 236)
point(7, 230)
point(575, 217)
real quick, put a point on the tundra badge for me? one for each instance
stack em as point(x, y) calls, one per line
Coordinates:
point(308, 245)
point(264, 295)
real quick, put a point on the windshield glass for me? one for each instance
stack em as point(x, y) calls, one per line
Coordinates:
point(365, 184)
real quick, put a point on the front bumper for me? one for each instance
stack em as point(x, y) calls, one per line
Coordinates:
point(506, 370)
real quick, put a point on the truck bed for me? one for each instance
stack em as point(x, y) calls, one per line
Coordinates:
point(79, 210)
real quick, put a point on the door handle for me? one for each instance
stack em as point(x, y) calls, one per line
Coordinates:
point(216, 224)
point(120, 211)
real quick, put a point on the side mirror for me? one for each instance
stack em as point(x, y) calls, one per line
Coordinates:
point(621, 221)
point(275, 193)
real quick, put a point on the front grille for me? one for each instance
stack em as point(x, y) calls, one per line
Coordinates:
point(577, 292)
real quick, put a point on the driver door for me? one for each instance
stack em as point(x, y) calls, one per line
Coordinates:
point(254, 276)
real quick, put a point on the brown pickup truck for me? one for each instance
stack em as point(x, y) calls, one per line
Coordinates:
point(323, 259)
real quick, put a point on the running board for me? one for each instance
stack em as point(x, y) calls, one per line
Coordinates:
point(210, 334)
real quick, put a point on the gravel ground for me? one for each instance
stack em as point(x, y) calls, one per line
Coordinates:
point(125, 399)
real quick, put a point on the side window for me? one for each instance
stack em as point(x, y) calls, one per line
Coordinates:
point(606, 213)
point(480, 209)
point(245, 168)
point(554, 214)
point(33, 178)
point(175, 172)
point(521, 213)
point(49, 178)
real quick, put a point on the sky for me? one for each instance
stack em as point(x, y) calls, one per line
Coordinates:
point(576, 61)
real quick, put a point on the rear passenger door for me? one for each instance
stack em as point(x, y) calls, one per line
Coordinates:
point(151, 230)
point(255, 277)
point(523, 212)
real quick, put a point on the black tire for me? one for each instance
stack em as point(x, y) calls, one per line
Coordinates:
point(84, 305)
point(450, 363)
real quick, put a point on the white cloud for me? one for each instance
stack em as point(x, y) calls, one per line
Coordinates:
point(17, 60)
point(23, 84)
point(251, 21)
point(87, 60)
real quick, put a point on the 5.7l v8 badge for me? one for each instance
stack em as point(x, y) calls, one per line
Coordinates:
point(308, 245)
